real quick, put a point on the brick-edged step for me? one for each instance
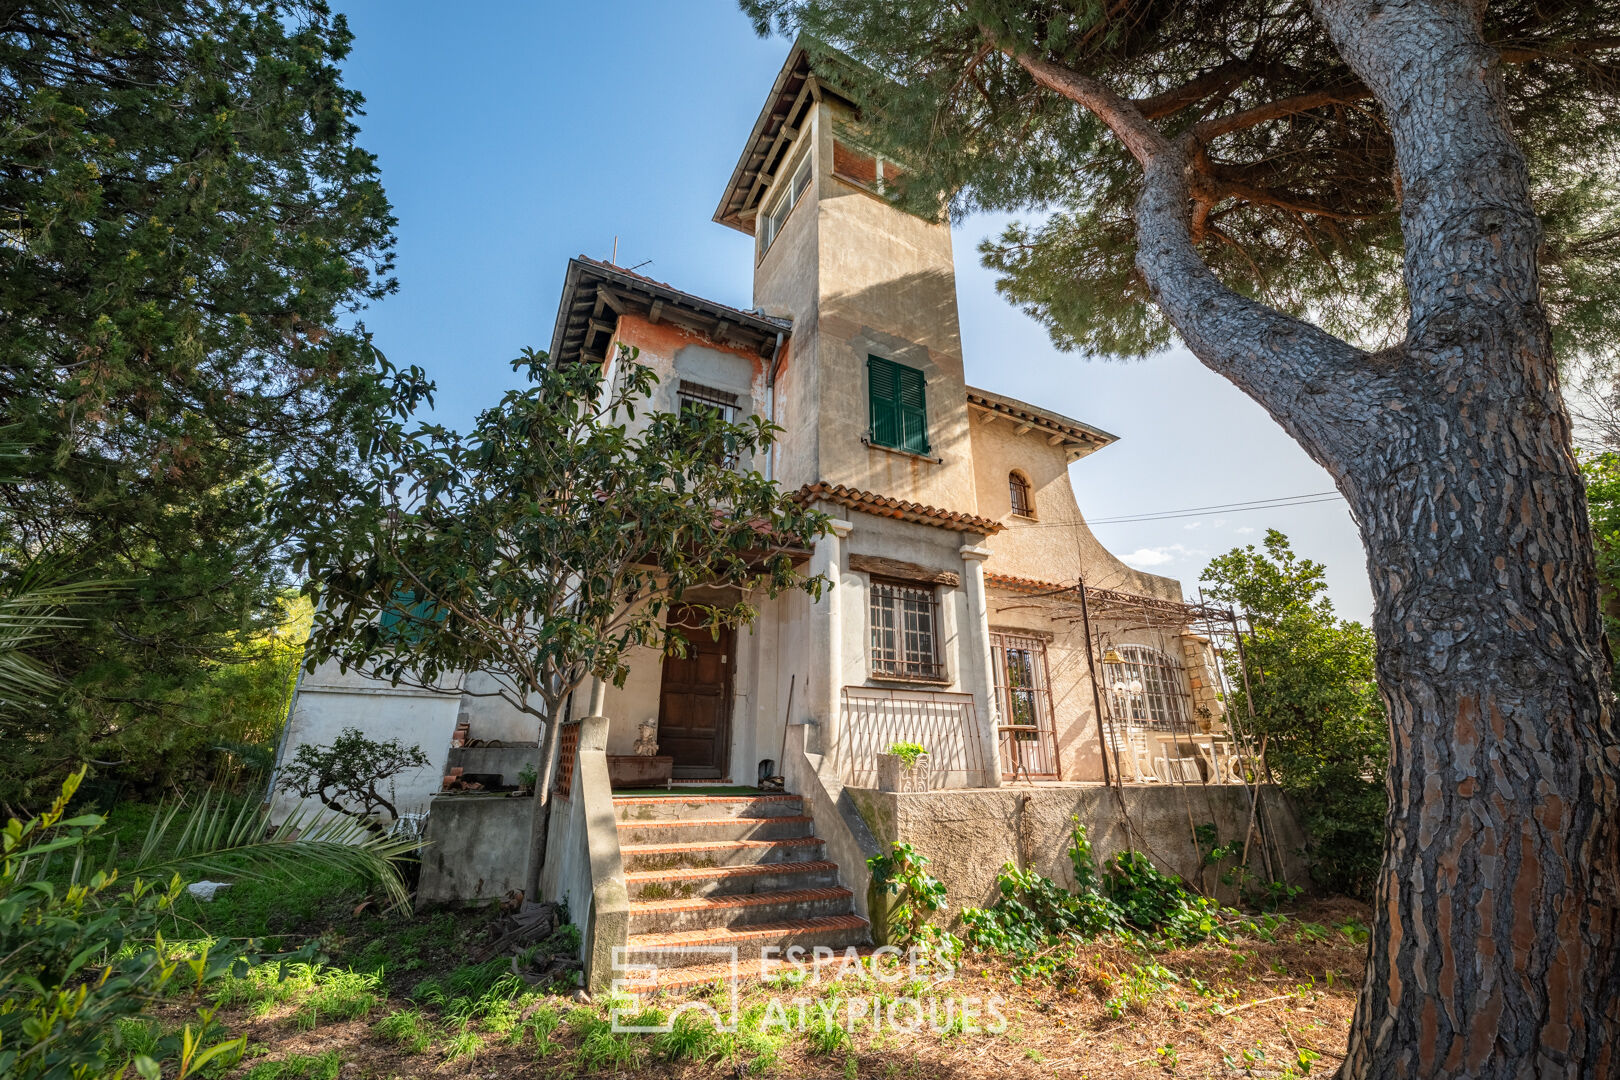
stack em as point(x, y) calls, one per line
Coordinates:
point(706, 830)
point(690, 882)
point(642, 857)
point(737, 911)
point(688, 947)
point(676, 807)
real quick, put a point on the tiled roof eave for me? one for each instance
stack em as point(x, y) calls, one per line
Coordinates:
point(870, 502)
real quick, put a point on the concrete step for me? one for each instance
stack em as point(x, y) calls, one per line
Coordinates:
point(709, 830)
point(691, 947)
point(737, 911)
point(676, 807)
point(643, 857)
point(730, 880)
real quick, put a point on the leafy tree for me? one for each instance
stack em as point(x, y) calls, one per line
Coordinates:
point(1385, 223)
point(186, 227)
point(550, 543)
point(345, 775)
point(1316, 704)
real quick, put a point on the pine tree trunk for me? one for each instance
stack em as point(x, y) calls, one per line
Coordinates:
point(1493, 950)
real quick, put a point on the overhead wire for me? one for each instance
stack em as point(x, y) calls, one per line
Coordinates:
point(1279, 503)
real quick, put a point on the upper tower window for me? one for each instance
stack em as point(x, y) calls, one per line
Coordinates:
point(899, 405)
point(770, 222)
point(1018, 488)
point(859, 167)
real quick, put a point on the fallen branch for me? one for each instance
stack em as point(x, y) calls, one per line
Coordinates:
point(1249, 1005)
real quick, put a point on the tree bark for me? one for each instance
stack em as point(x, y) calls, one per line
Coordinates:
point(1493, 951)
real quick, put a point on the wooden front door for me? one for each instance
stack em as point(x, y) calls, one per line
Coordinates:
point(695, 703)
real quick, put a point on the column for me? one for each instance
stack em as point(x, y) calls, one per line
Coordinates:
point(976, 651)
point(827, 638)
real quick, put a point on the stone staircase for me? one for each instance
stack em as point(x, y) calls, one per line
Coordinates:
point(707, 872)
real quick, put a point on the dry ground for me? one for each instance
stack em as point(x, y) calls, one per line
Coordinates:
point(1273, 1003)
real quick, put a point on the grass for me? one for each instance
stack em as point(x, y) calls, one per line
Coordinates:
point(408, 1029)
point(694, 789)
point(322, 1066)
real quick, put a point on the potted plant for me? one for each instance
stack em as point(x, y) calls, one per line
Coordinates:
point(905, 767)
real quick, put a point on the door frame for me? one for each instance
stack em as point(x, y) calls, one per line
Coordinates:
point(1049, 767)
point(722, 730)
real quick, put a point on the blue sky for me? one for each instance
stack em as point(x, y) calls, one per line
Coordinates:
point(513, 135)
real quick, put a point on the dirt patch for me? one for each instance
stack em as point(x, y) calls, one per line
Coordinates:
point(1276, 1003)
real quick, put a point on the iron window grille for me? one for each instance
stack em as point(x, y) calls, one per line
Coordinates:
point(1018, 490)
point(905, 631)
point(1147, 690)
point(694, 398)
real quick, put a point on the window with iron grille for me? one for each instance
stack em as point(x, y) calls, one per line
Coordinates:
point(694, 398)
point(1147, 690)
point(1018, 489)
point(905, 631)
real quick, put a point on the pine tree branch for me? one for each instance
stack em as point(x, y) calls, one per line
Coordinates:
point(1273, 357)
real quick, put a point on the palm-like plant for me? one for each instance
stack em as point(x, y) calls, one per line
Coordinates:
point(27, 616)
point(78, 955)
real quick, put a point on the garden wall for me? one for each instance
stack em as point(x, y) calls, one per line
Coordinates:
point(968, 836)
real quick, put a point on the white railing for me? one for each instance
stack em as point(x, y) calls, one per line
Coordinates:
point(946, 725)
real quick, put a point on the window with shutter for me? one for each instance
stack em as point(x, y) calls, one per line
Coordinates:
point(899, 405)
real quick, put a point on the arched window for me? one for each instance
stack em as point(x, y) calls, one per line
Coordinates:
point(1022, 503)
point(1146, 689)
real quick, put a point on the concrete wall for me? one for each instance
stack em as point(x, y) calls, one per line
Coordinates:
point(477, 849)
point(327, 701)
point(968, 836)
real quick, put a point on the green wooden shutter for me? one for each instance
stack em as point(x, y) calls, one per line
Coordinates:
point(913, 407)
point(884, 379)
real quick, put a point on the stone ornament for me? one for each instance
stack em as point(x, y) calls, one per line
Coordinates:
point(647, 737)
point(892, 774)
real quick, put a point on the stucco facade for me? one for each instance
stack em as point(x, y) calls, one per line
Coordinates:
point(959, 557)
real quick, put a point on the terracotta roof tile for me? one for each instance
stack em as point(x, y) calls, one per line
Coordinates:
point(868, 502)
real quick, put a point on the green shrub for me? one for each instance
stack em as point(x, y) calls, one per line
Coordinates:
point(78, 967)
point(1033, 912)
point(908, 752)
point(904, 873)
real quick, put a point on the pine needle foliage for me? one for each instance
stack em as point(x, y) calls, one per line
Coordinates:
point(1297, 193)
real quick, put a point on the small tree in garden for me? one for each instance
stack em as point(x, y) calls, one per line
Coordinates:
point(346, 775)
point(1316, 703)
point(550, 542)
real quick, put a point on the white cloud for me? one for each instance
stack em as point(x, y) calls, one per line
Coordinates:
point(1193, 525)
point(1147, 558)
point(1245, 530)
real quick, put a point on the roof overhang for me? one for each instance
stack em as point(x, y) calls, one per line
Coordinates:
point(595, 294)
point(869, 502)
point(1076, 438)
point(788, 104)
